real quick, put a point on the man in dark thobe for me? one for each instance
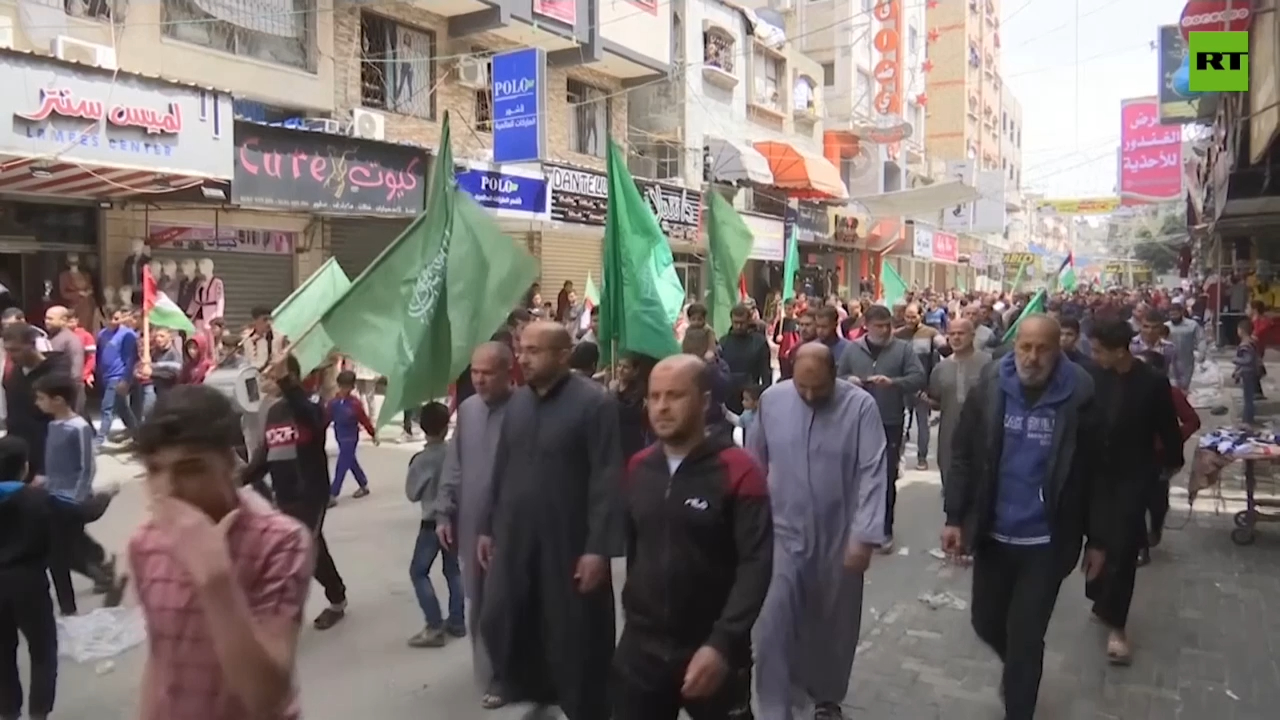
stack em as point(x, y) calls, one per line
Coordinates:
point(551, 528)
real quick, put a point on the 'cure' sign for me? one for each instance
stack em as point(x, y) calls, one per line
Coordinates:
point(295, 169)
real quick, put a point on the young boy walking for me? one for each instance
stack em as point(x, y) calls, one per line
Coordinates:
point(26, 538)
point(69, 469)
point(346, 412)
point(421, 485)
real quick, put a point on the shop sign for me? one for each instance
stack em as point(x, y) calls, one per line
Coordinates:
point(83, 115)
point(1150, 154)
point(507, 194)
point(1215, 16)
point(946, 247)
point(766, 233)
point(519, 88)
point(566, 11)
point(1016, 260)
point(811, 222)
point(922, 242)
point(887, 72)
point(301, 170)
point(582, 196)
point(221, 238)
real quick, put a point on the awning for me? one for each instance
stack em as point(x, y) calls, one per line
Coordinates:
point(736, 163)
point(73, 180)
point(802, 174)
point(917, 201)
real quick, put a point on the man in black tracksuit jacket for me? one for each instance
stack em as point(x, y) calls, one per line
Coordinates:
point(293, 453)
point(699, 562)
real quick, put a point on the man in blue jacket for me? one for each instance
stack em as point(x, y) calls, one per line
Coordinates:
point(1024, 492)
point(117, 358)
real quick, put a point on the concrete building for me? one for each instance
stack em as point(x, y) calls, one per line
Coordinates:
point(964, 87)
point(261, 143)
point(1011, 145)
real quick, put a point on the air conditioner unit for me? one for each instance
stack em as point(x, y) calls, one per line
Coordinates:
point(473, 73)
point(368, 124)
point(323, 125)
point(6, 33)
point(85, 53)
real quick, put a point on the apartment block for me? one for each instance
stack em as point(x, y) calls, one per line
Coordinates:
point(964, 87)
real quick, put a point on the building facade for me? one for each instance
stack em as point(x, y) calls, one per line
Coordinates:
point(232, 150)
point(964, 86)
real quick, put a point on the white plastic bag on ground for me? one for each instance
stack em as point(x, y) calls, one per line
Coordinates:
point(1207, 374)
point(100, 634)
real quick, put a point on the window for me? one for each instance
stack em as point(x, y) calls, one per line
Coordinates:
point(717, 49)
point(1004, 121)
point(282, 38)
point(917, 121)
point(397, 67)
point(482, 109)
point(97, 9)
point(588, 119)
point(913, 39)
point(1018, 141)
point(767, 73)
point(828, 75)
point(975, 59)
point(864, 92)
point(657, 160)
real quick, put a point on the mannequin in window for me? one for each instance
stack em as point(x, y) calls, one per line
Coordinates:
point(186, 286)
point(75, 292)
point(210, 301)
point(167, 282)
point(131, 273)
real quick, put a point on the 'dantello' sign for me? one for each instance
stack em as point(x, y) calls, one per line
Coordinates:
point(1219, 61)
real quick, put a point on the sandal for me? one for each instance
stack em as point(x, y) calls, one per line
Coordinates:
point(1118, 652)
point(492, 701)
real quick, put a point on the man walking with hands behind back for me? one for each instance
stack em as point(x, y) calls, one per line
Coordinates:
point(699, 561)
point(1023, 491)
point(549, 532)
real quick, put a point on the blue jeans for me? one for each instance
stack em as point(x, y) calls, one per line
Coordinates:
point(1251, 387)
point(347, 462)
point(113, 403)
point(424, 554)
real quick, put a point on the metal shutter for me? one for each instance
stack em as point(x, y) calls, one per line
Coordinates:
point(249, 279)
point(569, 257)
point(357, 243)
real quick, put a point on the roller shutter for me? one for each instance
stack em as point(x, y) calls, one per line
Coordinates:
point(356, 243)
point(249, 280)
point(569, 257)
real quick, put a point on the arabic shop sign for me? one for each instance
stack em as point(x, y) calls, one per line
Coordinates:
point(83, 115)
point(1150, 154)
point(582, 196)
point(508, 195)
point(519, 86)
point(811, 221)
point(887, 100)
point(301, 170)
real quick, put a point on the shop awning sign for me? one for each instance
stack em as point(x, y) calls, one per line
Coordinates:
point(518, 82)
point(301, 170)
point(507, 194)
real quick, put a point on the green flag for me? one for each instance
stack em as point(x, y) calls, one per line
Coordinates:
point(590, 292)
point(1034, 307)
point(437, 292)
point(633, 313)
point(894, 288)
point(790, 266)
point(728, 245)
point(299, 315)
point(1017, 279)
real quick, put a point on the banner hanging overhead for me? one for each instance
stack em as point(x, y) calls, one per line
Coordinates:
point(1150, 154)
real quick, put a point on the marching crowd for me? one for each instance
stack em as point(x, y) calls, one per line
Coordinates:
point(1058, 429)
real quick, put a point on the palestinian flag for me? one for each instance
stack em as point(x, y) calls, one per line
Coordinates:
point(1067, 273)
point(590, 300)
point(160, 310)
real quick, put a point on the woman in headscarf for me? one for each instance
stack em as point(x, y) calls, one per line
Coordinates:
point(196, 359)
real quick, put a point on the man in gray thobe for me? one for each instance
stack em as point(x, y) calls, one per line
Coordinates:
point(464, 489)
point(823, 445)
point(951, 381)
point(1188, 342)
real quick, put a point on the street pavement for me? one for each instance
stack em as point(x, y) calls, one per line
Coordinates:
point(1206, 637)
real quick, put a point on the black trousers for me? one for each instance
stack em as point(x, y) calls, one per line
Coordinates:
point(311, 514)
point(648, 673)
point(73, 550)
point(892, 457)
point(1112, 591)
point(1015, 588)
point(1158, 502)
point(27, 610)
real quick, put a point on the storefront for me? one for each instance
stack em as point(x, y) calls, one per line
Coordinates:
point(822, 266)
point(763, 270)
point(80, 141)
point(364, 194)
point(570, 247)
